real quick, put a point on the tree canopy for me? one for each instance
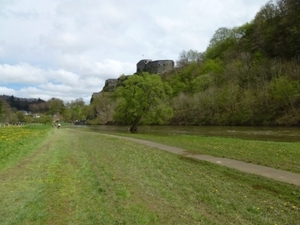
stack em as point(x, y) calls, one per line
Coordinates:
point(143, 98)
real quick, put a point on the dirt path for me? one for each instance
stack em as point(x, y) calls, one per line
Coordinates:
point(279, 175)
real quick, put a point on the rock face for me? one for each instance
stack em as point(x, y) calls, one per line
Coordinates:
point(144, 65)
point(158, 66)
point(110, 85)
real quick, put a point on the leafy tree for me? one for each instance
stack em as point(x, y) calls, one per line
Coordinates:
point(276, 29)
point(8, 113)
point(56, 106)
point(20, 115)
point(73, 110)
point(143, 98)
point(187, 57)
point(45, 119)
point(284, 92)
point(223, 39)
point(103, 107)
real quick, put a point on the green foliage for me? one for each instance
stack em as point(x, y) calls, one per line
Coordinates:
point(56, 106)
point(212, 66)
point(222, 41)
point(74, 110)
point(276, 29)
point(102, 108)
point(45, 119)
point(20, 115)
point(143, 98)
point(249, 74)
point(187, 57)
point(283, 91)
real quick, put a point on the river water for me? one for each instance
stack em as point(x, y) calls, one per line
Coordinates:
point(284, 134)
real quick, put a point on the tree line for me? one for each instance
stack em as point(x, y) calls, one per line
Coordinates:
point(50, 111)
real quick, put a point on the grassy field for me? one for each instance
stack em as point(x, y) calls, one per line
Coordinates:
point(69, 176)
point(279, 155)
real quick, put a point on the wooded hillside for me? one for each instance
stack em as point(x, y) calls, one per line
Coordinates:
point(248, 75)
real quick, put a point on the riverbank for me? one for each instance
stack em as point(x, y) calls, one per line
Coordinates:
point(79, 177)
point(278, 155)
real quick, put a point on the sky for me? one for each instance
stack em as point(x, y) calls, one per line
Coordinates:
point(67, 48)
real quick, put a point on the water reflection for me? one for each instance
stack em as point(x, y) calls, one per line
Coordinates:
point(289, 134)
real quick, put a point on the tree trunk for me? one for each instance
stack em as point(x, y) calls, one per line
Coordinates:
point(133, 127)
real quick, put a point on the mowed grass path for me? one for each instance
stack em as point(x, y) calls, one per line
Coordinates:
point(79, 177)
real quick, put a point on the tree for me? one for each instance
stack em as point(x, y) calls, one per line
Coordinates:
point(20, 115)
point(223, 39)
point(103, 107)
point(56, 106)
point(186, 58)
point(73, 110)
point(143, 98)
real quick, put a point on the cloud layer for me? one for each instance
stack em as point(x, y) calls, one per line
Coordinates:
point(67, 49)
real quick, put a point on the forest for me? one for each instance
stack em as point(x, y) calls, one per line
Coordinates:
point(248, 75)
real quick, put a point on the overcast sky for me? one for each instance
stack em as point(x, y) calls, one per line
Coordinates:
point(68, 48)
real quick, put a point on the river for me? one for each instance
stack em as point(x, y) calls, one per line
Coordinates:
point(283, 134)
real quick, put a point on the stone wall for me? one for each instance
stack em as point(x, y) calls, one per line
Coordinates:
point(157, 66)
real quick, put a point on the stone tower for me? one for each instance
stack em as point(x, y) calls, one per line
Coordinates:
point(158, 66)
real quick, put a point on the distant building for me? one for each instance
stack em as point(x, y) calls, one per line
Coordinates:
point(158, 66)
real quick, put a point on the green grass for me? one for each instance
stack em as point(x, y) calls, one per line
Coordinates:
point(279, 155)
point(17, 142)
point(79, 177)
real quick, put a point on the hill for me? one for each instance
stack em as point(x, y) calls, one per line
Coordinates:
point(248, 75)
point(20, 103)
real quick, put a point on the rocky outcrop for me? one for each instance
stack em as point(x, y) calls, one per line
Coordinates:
point(144, 65)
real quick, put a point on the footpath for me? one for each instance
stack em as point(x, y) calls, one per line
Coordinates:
point(279, 175)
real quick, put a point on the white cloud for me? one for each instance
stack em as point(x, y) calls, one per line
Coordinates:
point(67, 49)
point(7, 91)
point(21, 73)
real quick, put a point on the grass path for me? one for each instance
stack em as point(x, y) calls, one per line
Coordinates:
point(78, 177)
point(279, 175)
point(279, 155)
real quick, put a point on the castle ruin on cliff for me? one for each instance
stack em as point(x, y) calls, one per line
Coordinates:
point(144, 65)
point(157, 66)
